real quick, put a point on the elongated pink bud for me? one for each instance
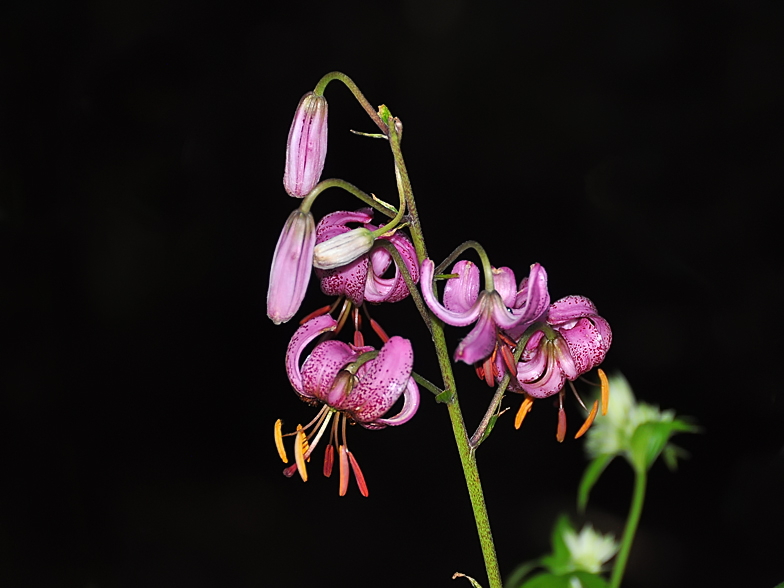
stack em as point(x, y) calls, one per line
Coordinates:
point(291, 267)
point(306, 149)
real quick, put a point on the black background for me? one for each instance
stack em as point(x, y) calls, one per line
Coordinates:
point(633, 148)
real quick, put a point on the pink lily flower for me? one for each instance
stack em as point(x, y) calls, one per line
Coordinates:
point(362, 279)
point(576, 341)
point(290, 271)
point(573, 340)
point(501, 312)
point(306, 149)
point(357, 384)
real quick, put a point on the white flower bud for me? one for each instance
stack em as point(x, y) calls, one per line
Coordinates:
point(342, 249)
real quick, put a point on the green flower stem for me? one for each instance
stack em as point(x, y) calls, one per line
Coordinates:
point(395, 130)
point(640, 480)
point(401, 266)
point(351, 189)
point(336, 75)
point(467, 457)
point(427, 384)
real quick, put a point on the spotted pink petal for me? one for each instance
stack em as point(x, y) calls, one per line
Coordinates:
point(393, 289)
point(410, 406)
point(570, 308)
point(323, 365)
point(301, 338)
point(381, 381)
point(586, 344)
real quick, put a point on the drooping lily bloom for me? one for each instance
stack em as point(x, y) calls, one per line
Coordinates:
point(362, 279)
point(306, 148)
point(573, 340)
point(290, 271)
point(353, 384)
point(502, 312)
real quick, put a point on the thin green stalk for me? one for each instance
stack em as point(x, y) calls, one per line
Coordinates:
point(640, 480)
point(340, 76)
point(467, 457)
point(351, 189)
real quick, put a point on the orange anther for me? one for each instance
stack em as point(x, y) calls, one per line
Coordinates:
point(560, 433)
point(488, 370)
point(315, 313)
point(588, 421)
point(605, 391)
point(343, 460)
point(525, 408)
point(329, 457)
point(379, 331)
point(358, 474)
point(509, 361)
point(279, 441)
point(300, 447)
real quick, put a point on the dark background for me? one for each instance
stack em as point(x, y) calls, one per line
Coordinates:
point(633, 148)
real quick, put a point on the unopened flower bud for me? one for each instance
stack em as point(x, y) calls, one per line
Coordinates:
point(291, 265)
point(342, 249)
point(306, 149)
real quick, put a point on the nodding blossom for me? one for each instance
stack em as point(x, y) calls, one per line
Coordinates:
point(571, 341)
point(353, 385)
point(501, 311)
point(363, 278)
point(306, 149)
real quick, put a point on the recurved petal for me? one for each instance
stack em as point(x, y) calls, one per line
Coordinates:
point(570, 308)
point(392, 289)
point(551, 381)
point(504, 283)
point(480, 342)
point(456, 319)
point(532, 369)
point(304, 335)
point(335, 223)
point(460, 294)
point(586, 343)
point(532, 300)
point(410, 406)
point(291, 266)
point(323, 365)
point(381, 381)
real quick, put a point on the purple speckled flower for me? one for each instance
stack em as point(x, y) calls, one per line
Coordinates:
point(362, 279)
point(306, 148)
point(290, 271)
point(501, 312)
point(357, 384)
point(574, 341)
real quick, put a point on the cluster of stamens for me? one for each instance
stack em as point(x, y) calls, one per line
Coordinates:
point(560, 434)
point(305, 443)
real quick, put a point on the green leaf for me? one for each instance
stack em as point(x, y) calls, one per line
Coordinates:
point(779, 585)
point(560, 561)
point(489, 429)
point(591, 475)
point(547, 580)
point(650, 439)
point(589, 580)
point(444, 397)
